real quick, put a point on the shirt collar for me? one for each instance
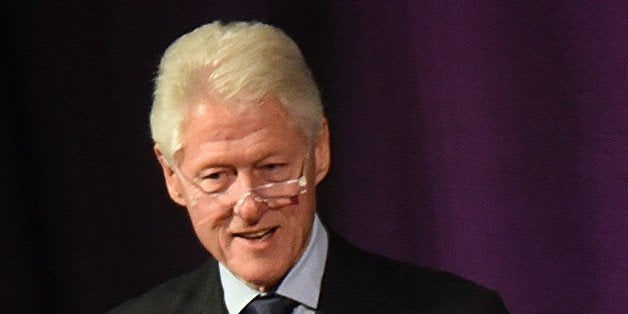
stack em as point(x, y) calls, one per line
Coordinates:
point(302, 283)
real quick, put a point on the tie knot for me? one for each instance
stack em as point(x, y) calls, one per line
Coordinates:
point(270, 303)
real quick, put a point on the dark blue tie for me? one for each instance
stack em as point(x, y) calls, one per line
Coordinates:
point(270, 304)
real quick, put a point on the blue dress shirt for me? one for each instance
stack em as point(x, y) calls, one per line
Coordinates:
point(302, 283)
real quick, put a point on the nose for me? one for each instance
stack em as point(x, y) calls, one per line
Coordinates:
point(248, 209)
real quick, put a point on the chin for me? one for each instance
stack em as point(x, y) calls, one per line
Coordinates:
point(263, 274)
point(264, 279)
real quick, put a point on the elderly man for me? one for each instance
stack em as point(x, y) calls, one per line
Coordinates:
point(241, 137)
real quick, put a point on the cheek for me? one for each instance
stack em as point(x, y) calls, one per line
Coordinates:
point(302, 218)
point(207, 227)
point(204, 219)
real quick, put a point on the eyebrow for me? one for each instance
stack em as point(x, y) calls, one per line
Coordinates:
point(222, 163)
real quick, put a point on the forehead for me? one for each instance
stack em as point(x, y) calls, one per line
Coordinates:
point(232, 129)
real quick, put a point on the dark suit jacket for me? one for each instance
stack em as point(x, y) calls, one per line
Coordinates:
point(354, 282)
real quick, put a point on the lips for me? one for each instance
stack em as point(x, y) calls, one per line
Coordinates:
point(258, 235)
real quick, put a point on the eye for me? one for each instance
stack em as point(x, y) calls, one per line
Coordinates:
point(215, 180)
point(273, 167)
point(214, 176)
point(275, 171)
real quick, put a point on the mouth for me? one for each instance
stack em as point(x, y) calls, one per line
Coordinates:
point(260, 235)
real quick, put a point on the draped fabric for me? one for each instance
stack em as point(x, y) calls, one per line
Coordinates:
point(483, 138)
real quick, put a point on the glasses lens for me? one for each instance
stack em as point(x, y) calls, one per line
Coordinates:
point(285, 189)
point(214, 192)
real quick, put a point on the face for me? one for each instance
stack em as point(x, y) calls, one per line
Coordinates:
point(256, 242)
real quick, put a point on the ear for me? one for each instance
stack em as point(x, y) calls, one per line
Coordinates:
point(172, 182)
point(322, 152)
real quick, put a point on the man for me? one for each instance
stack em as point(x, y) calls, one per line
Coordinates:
point(241, 137)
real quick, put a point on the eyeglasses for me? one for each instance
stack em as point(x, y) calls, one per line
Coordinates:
point(217, 191)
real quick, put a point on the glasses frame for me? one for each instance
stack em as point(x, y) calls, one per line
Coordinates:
point(301, 180)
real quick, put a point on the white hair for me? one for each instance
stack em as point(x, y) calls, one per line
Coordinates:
point(250, 59)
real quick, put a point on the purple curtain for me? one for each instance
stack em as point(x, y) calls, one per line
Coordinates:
point(483, 138)
point(488, 139)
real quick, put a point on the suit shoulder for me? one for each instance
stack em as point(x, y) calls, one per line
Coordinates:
point(180, 294)
point(439, 289)
point(404, 287)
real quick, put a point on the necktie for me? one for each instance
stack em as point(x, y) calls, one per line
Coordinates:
point(270, 304)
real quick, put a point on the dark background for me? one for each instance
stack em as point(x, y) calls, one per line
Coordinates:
point(483, 138)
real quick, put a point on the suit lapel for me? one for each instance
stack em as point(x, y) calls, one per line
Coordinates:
point(349, 284)
point(208, 297)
